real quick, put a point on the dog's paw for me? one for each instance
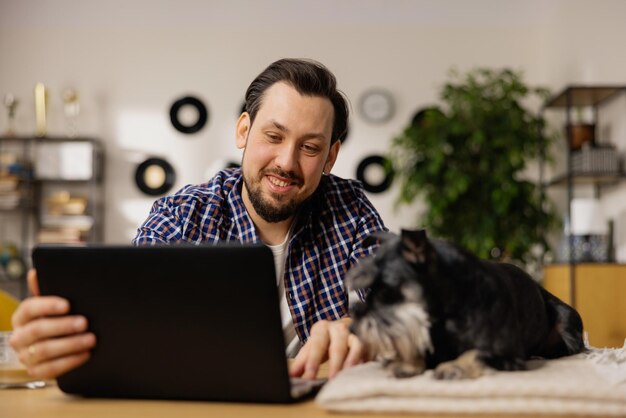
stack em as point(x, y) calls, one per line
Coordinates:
point(451, 371)
point(466, 366)
point(404, 370)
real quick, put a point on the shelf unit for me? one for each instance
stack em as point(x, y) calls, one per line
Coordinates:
point(39, 168)
point(576, 96)
point(588, 178)
point(600, 291)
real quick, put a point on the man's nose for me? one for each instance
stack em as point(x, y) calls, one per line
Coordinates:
point(287, 157)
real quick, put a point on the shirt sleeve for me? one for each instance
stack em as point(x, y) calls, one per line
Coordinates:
point(161, 227)
point(369, 223)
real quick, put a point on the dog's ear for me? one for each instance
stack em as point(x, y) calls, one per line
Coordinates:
point(377, 237)
point(414, 243)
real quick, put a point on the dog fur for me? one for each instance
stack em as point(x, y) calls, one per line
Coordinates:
point(433, 305)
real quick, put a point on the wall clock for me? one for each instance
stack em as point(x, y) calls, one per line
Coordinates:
point(155, 176)
point(377, 106)
point(194, 106)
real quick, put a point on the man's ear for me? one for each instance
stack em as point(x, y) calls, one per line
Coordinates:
point(332, 156)
point(242, 129)
point(414, 243)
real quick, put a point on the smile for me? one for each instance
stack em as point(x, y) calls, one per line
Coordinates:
point(277, 182)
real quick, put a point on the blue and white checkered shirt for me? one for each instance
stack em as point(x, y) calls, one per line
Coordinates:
point(327, 238)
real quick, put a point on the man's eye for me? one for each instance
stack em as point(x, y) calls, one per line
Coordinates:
point(273, 137)
point(310, 149)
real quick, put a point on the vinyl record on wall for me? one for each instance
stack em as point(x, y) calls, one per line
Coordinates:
point(419, 117)
point(375, 173)
point(189, 115)
point(155, 176)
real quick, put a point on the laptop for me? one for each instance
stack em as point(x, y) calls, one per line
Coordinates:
point(175, 322)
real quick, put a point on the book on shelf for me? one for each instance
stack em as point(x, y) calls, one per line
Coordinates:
point(59, 236)
point(8, 183)
point(9, 200)
point(9, 191)
point(81, 223)
point(63, 203)
point(600, 160)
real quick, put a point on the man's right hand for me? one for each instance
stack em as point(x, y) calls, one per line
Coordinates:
point(48, 341)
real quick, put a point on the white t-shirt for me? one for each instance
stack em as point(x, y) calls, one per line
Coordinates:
point(292, 342)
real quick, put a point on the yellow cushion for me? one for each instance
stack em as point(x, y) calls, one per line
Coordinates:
point(8, 304)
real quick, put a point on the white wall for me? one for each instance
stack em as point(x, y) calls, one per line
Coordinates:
point(131, 59)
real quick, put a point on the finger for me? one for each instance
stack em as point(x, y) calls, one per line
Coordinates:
point(338, 348)
point(357, 353)
point(313, 353)
point(44, 328)
point(37, 307)
point(56, 367)
point(312, 363)
point(317, 353)
point(53, 349)
point(33, 283)
point(296, 368)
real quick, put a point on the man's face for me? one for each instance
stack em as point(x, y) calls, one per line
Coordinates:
point(285, 151)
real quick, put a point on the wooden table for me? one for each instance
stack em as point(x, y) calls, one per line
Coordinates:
point(50, 402)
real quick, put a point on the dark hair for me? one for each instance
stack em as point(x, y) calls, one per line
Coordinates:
point(309, 78)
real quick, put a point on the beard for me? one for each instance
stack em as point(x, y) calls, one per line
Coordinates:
point(277, 209)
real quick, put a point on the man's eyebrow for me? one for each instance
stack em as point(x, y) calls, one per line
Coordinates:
point(279, 126)
point(310, 135)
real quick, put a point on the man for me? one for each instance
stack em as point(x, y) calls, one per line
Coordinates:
point(283, 196)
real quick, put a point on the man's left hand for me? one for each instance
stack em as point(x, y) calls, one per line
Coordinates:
point(332, 341)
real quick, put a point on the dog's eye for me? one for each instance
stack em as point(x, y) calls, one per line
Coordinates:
point(388, 295)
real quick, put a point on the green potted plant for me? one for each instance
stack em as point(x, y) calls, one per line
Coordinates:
point(467, 160)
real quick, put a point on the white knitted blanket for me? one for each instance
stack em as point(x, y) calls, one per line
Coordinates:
point(586, 384)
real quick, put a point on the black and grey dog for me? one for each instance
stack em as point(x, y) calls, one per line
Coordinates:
point(433, 305)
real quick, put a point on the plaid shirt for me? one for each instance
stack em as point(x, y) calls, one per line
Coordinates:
point(326, 240)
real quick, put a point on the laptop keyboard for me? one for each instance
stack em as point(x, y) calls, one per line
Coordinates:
point(305, 387)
